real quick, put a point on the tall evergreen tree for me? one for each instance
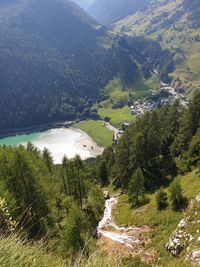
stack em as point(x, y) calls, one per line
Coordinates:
point(136, 188)
point(48, 158)
point(103, 173)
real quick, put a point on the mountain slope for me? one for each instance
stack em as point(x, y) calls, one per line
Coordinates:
point(85, 4)
point(175, 24)
point(55, 61)
point(107, 12)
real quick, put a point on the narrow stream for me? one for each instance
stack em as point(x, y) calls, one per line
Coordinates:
point(107, 228)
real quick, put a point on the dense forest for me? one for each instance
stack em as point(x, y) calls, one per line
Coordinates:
point(63, 203)
point(55, 62)
point(156, 147)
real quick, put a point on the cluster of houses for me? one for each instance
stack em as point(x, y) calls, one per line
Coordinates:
point(140, 107)
point(166, 94)
point(176, 95)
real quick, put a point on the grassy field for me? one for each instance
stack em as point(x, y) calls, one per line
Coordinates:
point(162, 223)
point(117, 93)
point(96, 131)
point(189, 69)
point(117, 116)
point(18, 252)
point(142, 86)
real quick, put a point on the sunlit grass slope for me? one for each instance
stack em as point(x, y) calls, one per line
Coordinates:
point(96, 130)
point(162, 223)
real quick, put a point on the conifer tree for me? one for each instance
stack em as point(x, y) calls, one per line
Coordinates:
point(176, 194)
point(136, 188)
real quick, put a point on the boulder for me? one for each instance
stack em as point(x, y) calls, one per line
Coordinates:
point(194, 257)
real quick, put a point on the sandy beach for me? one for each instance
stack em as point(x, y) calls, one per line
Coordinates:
point(59, 141)
point(86, 143)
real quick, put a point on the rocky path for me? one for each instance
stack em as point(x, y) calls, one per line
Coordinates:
point(122, 240)
point(109, 229)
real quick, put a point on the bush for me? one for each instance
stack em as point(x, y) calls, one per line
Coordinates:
point(161, 199)
point(177, 197)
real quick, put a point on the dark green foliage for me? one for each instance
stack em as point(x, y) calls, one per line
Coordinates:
point(136, 189)
point(63, 201)
point(73, 179)
point(74, 226)
point(48, 159)
point(95, 206)
point(160, 143)
point(103, 173)
point(176, 195)
point(194, 149)
point(54, 65)
point(21, 178)
point(150, 55)
point(189, 122)
point(161, 199)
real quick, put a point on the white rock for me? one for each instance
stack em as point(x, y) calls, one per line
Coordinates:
point(194, 257)
point(182, 223)
point(198, 197)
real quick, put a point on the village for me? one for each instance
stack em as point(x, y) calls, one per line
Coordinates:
point(166, 94)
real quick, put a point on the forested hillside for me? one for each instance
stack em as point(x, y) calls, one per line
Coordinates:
point(175, 24)
point(64, 203)
point(56, 61)
point(160, 144)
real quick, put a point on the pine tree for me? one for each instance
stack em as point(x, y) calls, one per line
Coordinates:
point(103, 173)
point(136, 188)
point(48, 159)
point(78, 164)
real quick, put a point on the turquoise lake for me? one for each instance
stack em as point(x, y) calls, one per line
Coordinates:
point(60, 142)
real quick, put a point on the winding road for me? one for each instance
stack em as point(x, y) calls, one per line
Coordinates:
point(111, 128)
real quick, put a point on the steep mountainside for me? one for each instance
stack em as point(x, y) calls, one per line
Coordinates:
point(55, 61)
point(176, 25)
point(107, 12)
point(85, 4)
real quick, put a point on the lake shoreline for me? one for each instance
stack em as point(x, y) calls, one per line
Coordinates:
point(59, 141)
point(88, 144)
point(37, 128)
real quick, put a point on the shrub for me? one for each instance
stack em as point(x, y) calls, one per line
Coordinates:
point(161, 199)
point(177, 197)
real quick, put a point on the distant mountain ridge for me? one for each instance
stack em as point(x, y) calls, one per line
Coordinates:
point(176, 25)
point(85, 4)
point(108, 12)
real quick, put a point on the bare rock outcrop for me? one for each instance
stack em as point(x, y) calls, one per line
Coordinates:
point(182, 237)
